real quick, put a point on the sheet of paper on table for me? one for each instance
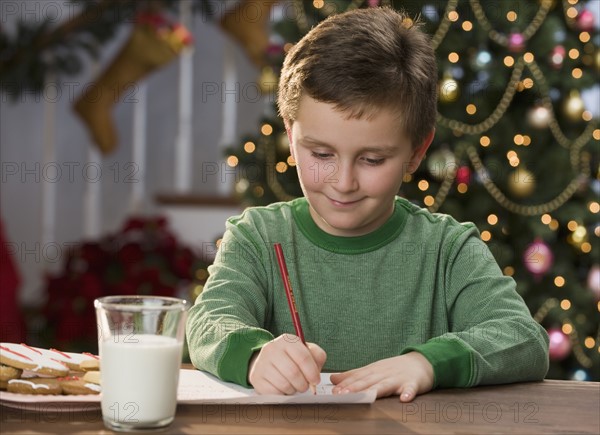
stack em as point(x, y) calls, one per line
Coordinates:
point(196, 387)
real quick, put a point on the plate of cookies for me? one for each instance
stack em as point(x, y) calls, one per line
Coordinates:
point(32, 375)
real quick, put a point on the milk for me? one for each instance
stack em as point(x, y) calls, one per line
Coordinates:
point(139, 376)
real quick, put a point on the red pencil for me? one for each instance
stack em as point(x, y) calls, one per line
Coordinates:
point(285, 277)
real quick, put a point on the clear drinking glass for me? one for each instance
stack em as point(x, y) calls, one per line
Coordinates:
point(140, 342)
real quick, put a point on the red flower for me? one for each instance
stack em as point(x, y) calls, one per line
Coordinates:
point(182, 263)
point(131, 253)
point(143, 258)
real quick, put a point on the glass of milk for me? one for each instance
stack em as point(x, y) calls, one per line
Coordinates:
point(140, 342)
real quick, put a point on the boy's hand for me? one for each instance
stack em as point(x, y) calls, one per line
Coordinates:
point(286, 366)
point(406, 375)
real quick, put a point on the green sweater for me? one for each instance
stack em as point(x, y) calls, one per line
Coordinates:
point(421, 282)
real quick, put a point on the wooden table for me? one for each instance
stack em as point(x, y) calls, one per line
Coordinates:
point(549, 407)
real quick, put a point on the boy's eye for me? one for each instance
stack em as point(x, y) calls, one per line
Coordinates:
point(320, 155)
point(374, 162)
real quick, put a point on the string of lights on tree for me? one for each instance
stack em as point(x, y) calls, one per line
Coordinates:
point(516, 149)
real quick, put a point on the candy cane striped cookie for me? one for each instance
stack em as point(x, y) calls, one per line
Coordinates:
point(72, 360)
point(23, 357)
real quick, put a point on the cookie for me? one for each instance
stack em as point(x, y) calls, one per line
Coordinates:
point(93, 377)
point(77, 385)
point(23, 357)
point(34, 386)
point(90, 365)
point(72, 360)
point(7, 373)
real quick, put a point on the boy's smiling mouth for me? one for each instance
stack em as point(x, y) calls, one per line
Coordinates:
point(343, 203)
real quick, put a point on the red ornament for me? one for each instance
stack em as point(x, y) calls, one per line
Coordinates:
point(463, 175)
point(560, 345)
point(516, 42)
point(538, 257)
point(585, 20)
point(557, 56)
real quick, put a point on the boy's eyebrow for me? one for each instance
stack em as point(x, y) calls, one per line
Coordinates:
point(383, 149)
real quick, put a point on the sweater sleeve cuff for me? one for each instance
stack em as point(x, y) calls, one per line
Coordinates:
point(233, 366)
point(451, 361)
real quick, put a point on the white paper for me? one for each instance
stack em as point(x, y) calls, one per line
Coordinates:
point(196, 387)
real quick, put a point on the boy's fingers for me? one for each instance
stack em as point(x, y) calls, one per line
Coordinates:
point(281, 381)
point(305, 361)
point(319, 355)
point(337, 378)
point(408, 393)
point(294, 375)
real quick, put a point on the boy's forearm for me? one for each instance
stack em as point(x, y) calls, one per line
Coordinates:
point(222, 348)
point(494, 352)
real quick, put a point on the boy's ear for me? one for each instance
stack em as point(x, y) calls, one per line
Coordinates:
point(419, 153)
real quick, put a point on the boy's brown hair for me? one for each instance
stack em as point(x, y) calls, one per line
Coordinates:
point(363, 61)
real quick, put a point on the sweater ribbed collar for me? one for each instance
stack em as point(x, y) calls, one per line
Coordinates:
point(383, 235)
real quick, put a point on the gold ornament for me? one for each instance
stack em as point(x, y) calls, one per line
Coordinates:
point(521, 183)
point(441, 164)
point(578, 237)
point(283, 143)
point(267, 80)
point(539, 117)
point(448, 89)
point(241, 186)
point(597, 60)
point(573, 106)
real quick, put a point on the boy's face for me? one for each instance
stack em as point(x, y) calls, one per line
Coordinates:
point(350, 169)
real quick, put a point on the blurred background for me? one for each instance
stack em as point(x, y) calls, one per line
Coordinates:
point(130, 130)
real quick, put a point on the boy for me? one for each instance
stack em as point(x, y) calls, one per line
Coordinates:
point(390, 296)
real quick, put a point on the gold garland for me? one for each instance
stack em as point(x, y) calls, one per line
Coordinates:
point(498, 112)
point(527, 210)
point(550, 305)
point(444, 26)
point(501, 39)
point(563, 141)
point(566, 6)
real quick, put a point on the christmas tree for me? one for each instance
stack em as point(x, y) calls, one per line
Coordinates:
point(516, 148)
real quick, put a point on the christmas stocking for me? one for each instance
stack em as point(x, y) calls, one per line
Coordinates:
point(153, 43)
point(247, 24)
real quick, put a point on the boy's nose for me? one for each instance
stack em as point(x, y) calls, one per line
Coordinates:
point(346, 180)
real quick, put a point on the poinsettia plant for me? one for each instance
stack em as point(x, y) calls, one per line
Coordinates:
point(144, 258)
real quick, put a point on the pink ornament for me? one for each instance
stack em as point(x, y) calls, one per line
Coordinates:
point(585, 20)
point(557, 56)
point(463, 175)
point(560, 345)
point(516, 42)
point(538, 257)
point(373, 3)
point(593, 280)
point(274, 49)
